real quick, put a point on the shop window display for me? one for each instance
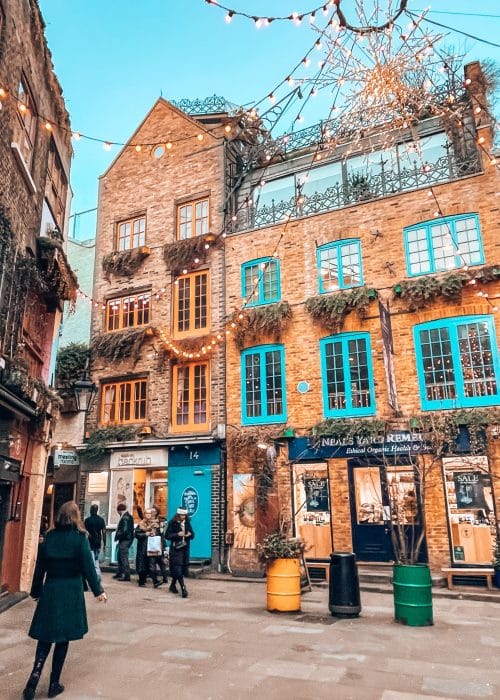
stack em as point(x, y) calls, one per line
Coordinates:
point(471, 513)
point(312, 509)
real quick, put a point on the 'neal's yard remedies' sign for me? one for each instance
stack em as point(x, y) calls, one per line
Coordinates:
point(328, 447)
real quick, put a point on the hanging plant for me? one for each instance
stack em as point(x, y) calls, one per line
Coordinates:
point(254, 322)
point(181, 255)
point(46, 398)
point(98, 442)
point(120, 344)
point(486, 274)
point(56, 270)
point(70, 364)
point(243, 446)
point(347, 428)
point(421, 291)
point(331, 309)
point(188, 347)
point(124, 263)
point(444, 428)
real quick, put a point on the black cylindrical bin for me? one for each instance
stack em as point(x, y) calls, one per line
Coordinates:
point(344, 599)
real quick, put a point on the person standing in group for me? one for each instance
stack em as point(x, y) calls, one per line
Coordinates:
point(124, 535)
point(64, 561)
point(96, 528)
point(180, 533)
point(159, 561)
point(144, 563)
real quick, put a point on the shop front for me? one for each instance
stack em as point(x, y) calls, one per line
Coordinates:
point(311, 506)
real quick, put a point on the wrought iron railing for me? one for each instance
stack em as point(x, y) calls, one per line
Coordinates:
point(209, 105)
point(369, 187)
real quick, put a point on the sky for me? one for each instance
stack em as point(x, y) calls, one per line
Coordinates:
point(114, 58)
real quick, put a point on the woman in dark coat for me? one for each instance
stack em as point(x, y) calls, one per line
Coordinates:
point(144, 565)
point(64, 562)
point(180, 533)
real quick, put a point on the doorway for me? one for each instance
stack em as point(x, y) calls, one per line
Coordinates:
point(192, 489)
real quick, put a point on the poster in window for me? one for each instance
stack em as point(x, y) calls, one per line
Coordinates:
point(244, 511)
point(316, 494)
point(469, 490)
point(121, 492)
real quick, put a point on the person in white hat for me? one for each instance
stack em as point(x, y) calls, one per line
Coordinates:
point(180, 533)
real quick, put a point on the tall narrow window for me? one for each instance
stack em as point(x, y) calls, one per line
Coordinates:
point(124, 402)
point(339, 265)
point(190, 411)
point(128, 312)
point(457, 363)
point(443, 244)
point(191, 304)
point(27, 120)
point(131, 233)
point(260, 281)
point(192, 219)
point(348, 388)
point(263, 385)
point(56, 187)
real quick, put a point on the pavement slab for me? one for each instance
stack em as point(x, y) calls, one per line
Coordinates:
point(221, 643)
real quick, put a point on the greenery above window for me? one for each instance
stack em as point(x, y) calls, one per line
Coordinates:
point(332, 310)
point(118, 345)
point(124, 263)
point(182, 254)
point(348, 428)
point(98, 443)
point(269, 321)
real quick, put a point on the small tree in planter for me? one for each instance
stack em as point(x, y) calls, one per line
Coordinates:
point(281, 556)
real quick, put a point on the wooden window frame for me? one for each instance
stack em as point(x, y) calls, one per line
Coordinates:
point(117, 402)
point(27, 128)
point(193, 220)
point(56, 190)
point(190, 426)
point(108, 315)
point(191, 331)
point(130, 238)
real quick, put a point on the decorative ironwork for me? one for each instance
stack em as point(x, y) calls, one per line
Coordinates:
point(209, 105)
point(374, 186)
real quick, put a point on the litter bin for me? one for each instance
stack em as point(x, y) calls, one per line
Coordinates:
point(344, 599)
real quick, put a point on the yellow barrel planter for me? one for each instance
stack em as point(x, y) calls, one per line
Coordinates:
point(283, 585)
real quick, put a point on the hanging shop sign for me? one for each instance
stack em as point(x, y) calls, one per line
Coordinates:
point(193, 455)
point(398, 442)
point(124, 459)
point(67, 458)
point(10, 469)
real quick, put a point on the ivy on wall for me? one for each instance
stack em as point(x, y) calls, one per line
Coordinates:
point(180, 255)
point(124, 263)
point(330, 310)
point(120, 344)
point(254, 322)
point(98, 443)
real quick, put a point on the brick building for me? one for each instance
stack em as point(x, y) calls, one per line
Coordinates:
point(35, 278)
point(331, 249)
point(158, 313)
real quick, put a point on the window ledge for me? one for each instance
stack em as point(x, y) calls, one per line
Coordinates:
point(23, 166)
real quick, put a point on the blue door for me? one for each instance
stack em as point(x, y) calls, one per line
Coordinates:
point(192, 489)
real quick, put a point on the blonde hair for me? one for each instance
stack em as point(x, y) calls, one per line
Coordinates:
point(69, 514)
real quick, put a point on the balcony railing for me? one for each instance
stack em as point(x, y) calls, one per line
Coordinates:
point(369, 187)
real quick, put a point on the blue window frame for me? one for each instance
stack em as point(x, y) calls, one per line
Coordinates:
point(347, 374)
point(339, 265)
point(263, 385)
point(443, 244)
point(260, 281)
point(457, 363)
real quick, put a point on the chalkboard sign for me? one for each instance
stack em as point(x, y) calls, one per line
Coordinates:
point(316, 495)
point(469, 490)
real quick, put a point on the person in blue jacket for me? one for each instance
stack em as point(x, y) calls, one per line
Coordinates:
point(63, 564)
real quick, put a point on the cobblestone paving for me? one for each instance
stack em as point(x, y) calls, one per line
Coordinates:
point(221, 643)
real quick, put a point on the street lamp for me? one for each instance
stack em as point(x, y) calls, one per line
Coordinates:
point(84, 390)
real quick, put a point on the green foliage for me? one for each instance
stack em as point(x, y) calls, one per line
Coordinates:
point(348, 428)
point(331, 309)
point(119, 344)
point(180, 255)
point(277, 546)
point(242, 446)
point(269, 320)
point(98, 443)
point(124, 263)
point(443, 428)
point(70, 364)
point(359, 186)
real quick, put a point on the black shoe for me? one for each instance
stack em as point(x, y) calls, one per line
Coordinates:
point(173, 588)
point(29, 693)
point(116, 575)
point(184, 592)
point(165, 579)
point(55, 689)
point(123, 578)
point(157, 584)
point(141, 585)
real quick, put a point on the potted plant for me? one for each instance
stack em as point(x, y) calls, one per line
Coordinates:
point(281, 556)
point(496, 563)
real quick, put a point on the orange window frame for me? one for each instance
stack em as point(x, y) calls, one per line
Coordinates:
point(131, 234)
point(116, 312)
point(191, 397)
point(124, 402)
point(192, 219)
point(188, 309)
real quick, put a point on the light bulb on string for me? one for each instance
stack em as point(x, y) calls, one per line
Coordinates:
point(229, 17)
point(106, 145)
point(76, 135)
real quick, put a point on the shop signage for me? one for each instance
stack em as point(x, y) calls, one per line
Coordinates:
point(10, 469)
point(190, 500)
point(398, 442)
point(138, 459)
point(469, 489)
point(193, 455)
point(66, 458)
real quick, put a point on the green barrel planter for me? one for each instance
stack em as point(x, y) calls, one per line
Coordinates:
point(413, 594)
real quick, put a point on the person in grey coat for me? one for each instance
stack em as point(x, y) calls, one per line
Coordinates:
point(124, 535)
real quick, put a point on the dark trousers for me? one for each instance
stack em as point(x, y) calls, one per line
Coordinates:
point(123, 564)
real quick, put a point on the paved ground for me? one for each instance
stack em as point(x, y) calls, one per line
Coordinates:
point(221, 643)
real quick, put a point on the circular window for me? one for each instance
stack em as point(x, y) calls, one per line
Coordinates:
point(158, 151)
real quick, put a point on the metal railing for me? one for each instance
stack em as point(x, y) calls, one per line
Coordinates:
point(215, 104)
